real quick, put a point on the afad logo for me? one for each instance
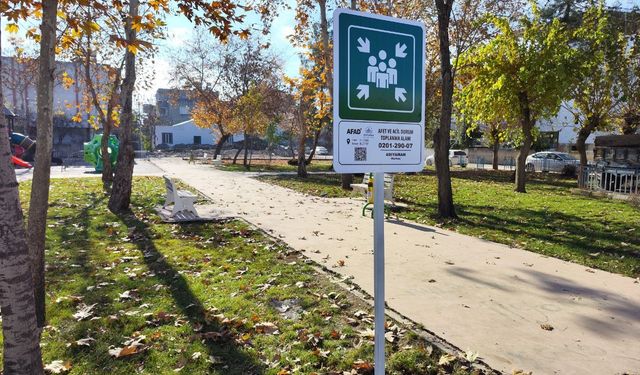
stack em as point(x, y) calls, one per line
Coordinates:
point(354, 131)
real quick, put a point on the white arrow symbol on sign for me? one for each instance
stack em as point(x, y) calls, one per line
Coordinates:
point(399, 94)
point(363, 90)
point(400, 50)
point(364, 45)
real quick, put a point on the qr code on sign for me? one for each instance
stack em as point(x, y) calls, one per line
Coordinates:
point(360, 153)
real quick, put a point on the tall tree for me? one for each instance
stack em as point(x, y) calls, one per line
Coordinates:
point(596, 93)
point(249, 114)
point(629, 80)
point(495, 134)
point(199, 67)
point(441, 137)
point(39, 203)
point(102, 65)
point(519, 76)
point(218, 16)
point(121, 192)
point(21, 337)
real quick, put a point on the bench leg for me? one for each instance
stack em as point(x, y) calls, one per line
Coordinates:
point(364, 209)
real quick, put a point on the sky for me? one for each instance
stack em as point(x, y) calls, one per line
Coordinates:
point(180, 30)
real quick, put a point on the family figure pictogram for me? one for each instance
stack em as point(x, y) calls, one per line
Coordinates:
point(382, 73)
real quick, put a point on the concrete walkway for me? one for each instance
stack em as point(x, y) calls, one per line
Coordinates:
point(141, 167)
point(476, 294)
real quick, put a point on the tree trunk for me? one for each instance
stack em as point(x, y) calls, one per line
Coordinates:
point(21, 335)
point(527, 126)
point(496, 149)
point(347, 179)
point(121, 191)
point(107, 171)
point(39, 203)
point(246, 151)
point(220, 144)
point(302, 167)
point(442, 137)
point(235, 158)
point(312, 153)
point(585, 131)
point(631, 122)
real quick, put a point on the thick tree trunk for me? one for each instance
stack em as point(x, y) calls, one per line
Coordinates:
point(107, 171)
point(527, 123)
point(121, 191)
point(220, 144)
point(584, 133)
point(496, 150)
point(39, 202)
point(21, 335)
point(442, 136)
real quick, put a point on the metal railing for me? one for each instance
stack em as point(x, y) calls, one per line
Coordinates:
point(623, 180)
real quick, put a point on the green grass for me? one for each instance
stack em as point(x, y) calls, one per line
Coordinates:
point(197, 297)
point(277, 166)
point(322, 185)
point(549, 219)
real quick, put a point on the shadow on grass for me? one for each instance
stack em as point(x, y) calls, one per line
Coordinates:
point(571, 231)
point(238, 361)
point(485, 175)
point(78, 234)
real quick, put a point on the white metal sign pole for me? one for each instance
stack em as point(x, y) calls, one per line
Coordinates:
point(378, 270)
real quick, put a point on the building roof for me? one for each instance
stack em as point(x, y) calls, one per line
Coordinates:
point(631, 140)
point(183, 123)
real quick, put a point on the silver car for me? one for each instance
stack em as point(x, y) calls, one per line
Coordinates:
point(456, 157)
point(550, 161)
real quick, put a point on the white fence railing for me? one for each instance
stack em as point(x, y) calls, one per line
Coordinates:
point(610, 179)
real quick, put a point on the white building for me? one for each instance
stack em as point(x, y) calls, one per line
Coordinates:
point(187, 133)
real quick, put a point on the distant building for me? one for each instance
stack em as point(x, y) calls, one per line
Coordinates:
point(183, 133)
point(173, 106)
point(19, 86)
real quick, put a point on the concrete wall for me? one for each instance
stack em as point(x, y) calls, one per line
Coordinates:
point(183, 133)
point(565, 123)
point(505, 156)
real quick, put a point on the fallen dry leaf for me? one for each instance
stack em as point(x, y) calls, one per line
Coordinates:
point(57, 367)
point(266, 327)
point(363, 367)
point(124, 351)
point(446, 359)
point(84, 312)
point(546, 327)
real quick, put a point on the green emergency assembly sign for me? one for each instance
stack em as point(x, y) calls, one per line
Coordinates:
point(378, 93)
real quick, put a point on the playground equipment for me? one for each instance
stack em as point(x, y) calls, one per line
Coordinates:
point(20, 163)
point(93, 152)
point(23, 149)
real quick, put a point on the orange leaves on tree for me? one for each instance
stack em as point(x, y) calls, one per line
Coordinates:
point(12, 28)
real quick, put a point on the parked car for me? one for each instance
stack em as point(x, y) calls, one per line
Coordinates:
point(456, 157)
point(321, 150)
point(550, 161)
